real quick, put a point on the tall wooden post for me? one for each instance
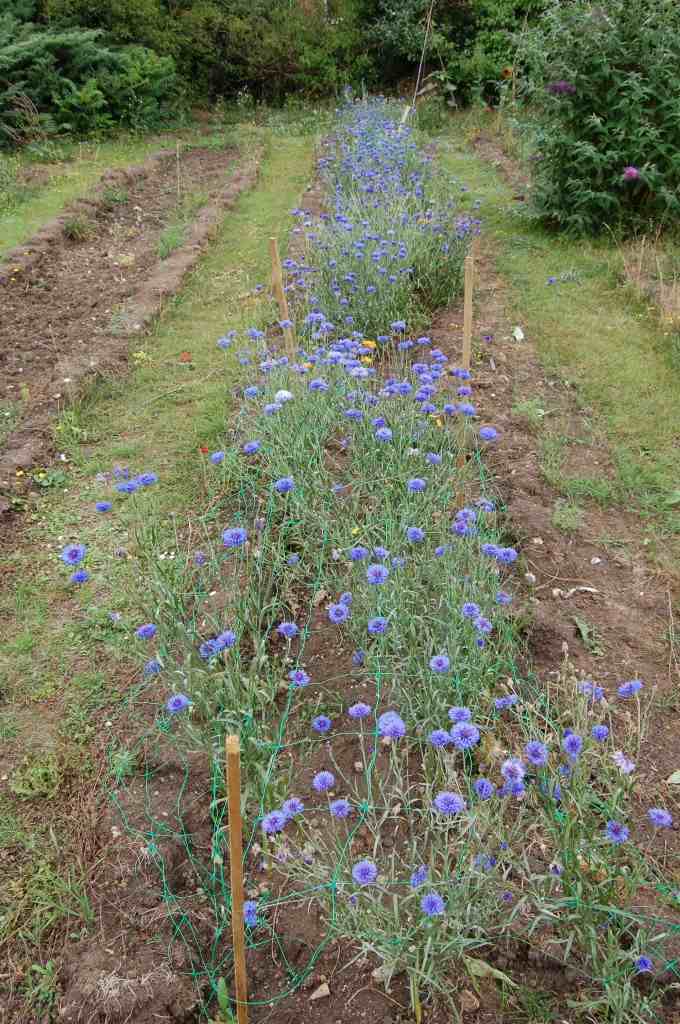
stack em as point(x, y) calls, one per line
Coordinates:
point(236, 876)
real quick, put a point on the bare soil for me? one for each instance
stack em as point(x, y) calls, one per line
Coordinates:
point(70, 306)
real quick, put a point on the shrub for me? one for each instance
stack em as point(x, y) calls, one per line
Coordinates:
point(605, 83)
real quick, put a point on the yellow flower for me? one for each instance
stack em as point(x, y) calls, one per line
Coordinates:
point(355, 531)
point(307, 366)
point(367, 343)
point(367, 360)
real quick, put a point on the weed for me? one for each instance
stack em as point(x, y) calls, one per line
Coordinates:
point(170, 239)
point(591, 639)
point(567, 516)
point(38, 777)
point(531, 411)
point(40, 986)
point(77, 228)
point(114, 195)
point(10, 413)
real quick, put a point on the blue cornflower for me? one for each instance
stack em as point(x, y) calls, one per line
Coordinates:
point(484, 789)
point(358, 658)
point(251, 392)
point(418, 877)
point(209, 649)
point(390, 724)
point(284, 485)
point(323, 781)
point(503, 598)
point(482, 625)
point(365, 872)
point(274, 822)
point(216, 458)
point(643, 965)
point(153, 667)
point(440, 738)
point(616, 832)
point(103, 506)
point(292, 560)
point(398, 326)
point(73, 554)
point(234, 537)
point(147, 479)
point(449, 803)
point(200, 558)
point(470, 610)
point(376, 574)
point(250, 909)
point(572, 744)
point(464, 735)
point(630, 688)
point(338, 613)
point(227, 638)
point(340, 808)
point(377, 625)
point(287, 630)
point(383, 434)
point(250, 447)
point(292, 807)
point(536, 753)
point(600, 733)
point(433, 458)
point(146, 632)
point(398, 562)
point(441, 550)
point(488, 433)
point(298, 677)
point(416, 485)
point(513, 770)
point(178, 702)
point(359, 710)
point(354, 414)
point(358, 553)
point(506, 555)
point(80, 576)
point(501, 703)
point(659, 817)
point(414, 534)
point(127, 487)
point(432, 904)
point(322, 723)
point(460, 714)
point(440, 663)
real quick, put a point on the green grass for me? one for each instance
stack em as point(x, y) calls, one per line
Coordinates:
point(588, 329)
point(63, 658)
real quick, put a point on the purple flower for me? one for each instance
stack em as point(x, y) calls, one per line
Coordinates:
point(383, 434)
point(216, 458)
point(359, 710)
point(439, 738)
point(250, 913)
point(73, 554)
point(377, 626)
point(274, 822)
point(501, 703)
point(482, 625)
point(251, 447)
point(200, 558)
point(460, 714)
point(376, 574)
point(536, 753)
point(416, 485)
point(643, 965)
point(365, 872)
point(338, 613)
point(572, 744)
point(625, 766)
point(449, 803)
point(659, 817)
point(153, 667)
point(391, 725)
point(488, 433)
point(340, 808)
point(418, 877)
point(103, 506)
point(433, 458)
point(503, 598)
point(146, 632)
point(631, 173)
point(600, 733)
point(322, 723)
point(440, 663)
point(284, 485)
point(346, 598)
point(513, 770)
point(432, 904)
point(298, 677)
point(414, 534)
point(561, 88)
point(358, 658)
point(178, 702)
point(80, 576)
point(506, 555)
point(358, 553)
point(464, 735)
point(234, 537)
point(470, 610)
point(616, 833)
point(287, 630)
point(323, 781)
point(630, 688)
point(484, 789)
point(147, 479)
point(292, 807)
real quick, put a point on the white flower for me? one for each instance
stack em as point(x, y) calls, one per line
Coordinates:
point(622, 763)
point(283, 396)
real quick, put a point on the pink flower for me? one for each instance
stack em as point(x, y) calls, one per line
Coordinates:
point(630, 173)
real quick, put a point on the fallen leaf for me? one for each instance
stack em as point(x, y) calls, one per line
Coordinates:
point(468, 1001)
point(322, 992)
point(674, 779)
point(481, 969)
point(518, 334)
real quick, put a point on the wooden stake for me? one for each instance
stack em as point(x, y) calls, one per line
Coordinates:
point(280, 295)
point(236, 873)
point(467, 311)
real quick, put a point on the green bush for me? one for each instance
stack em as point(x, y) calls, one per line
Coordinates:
point(605, 83)
point(69, 82)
